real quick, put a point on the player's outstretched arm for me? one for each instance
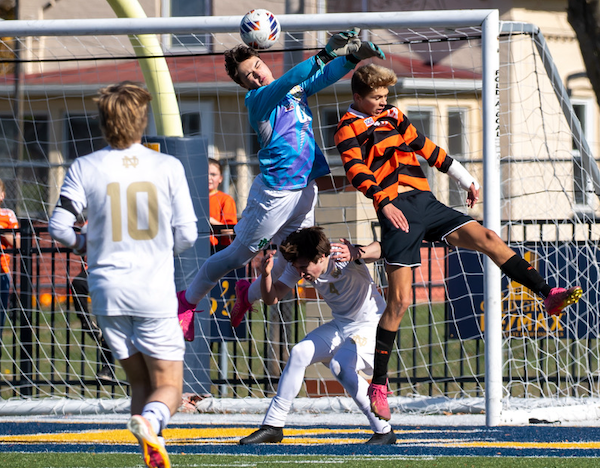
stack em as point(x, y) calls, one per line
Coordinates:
point(465, 180)
point(270, 292)
point(345, 251)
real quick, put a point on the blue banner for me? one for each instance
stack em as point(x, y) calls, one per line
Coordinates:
point(523, 312)
point(222, 298)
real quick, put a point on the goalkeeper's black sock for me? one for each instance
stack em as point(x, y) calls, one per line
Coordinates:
point(383, 348)
point(521, 271)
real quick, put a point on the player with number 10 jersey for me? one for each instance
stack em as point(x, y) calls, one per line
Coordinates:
point(133, 196)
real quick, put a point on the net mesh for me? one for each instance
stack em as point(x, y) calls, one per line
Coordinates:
point(50, 349)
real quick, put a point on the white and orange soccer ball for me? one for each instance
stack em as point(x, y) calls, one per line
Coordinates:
point(259, 29)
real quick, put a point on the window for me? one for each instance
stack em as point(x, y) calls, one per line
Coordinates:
point(35, 136)
point(582, 183)
point(179, 8)
point(26, 180)
point(456, 149)
point(422, 119)
point(82, 136)
point(197, 120)
point(329, 122)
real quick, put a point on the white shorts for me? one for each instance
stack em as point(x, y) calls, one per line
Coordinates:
point(272, 215)
point(358, 337)
point(126, 335)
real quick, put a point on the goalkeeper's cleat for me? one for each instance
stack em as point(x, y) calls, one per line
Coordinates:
point(389, 438)
point(379, 402)
point(265, 435)
point(185, 314)
point(155, 455)
point(241, 306)
point(559, 298)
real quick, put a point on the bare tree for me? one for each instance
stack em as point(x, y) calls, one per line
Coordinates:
point(584, 17)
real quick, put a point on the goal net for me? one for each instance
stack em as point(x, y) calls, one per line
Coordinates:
point(503, 116)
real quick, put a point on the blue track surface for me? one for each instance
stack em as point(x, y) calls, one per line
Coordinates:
point(530, 441)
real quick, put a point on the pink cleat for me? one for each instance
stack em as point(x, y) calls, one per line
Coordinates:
point(559, 298)
point(155, 454)
point(185, 314)
point(241, 306)
point(379, 403)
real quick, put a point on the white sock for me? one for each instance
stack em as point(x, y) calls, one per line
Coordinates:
point(277, 412)
point(157, 414)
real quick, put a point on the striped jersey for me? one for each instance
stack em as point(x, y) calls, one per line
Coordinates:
point(380, 153)
point(289, 157)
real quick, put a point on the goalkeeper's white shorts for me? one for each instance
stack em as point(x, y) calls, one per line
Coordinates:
point(272, 215)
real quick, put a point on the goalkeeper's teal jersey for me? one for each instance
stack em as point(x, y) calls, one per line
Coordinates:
point(289, 157)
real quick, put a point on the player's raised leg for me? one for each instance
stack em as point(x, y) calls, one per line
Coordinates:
point(476, 237)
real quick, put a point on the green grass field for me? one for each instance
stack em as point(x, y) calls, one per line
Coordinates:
point(103, 460)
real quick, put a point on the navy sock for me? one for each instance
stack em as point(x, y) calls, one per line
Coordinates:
point(383, 348)
point(521, 271)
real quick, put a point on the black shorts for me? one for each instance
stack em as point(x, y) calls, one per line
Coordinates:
point(428, 219)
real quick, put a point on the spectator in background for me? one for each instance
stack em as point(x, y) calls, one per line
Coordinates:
point(223, 212)
point(9, 240)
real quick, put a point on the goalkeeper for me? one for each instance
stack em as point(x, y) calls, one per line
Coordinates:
point(346, 343)
point(379, 148)
point(283, 196)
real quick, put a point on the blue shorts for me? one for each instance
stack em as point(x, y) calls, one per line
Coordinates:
point(428, 219)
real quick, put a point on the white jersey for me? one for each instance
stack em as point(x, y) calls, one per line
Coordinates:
point(135, 199)
point(346, 287)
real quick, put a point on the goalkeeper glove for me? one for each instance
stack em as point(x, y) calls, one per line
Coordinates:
point(366, 50)
point(342, 43)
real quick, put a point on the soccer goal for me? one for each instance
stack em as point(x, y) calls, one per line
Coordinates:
point(485, 90)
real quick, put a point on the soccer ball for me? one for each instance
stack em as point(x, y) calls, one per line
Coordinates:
point(259, 29)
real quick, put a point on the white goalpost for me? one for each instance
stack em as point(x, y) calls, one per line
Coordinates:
point(485, 90)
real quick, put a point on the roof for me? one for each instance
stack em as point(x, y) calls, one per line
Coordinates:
point(209, 69)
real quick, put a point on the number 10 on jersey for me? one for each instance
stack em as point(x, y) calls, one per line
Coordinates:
point(135, 194)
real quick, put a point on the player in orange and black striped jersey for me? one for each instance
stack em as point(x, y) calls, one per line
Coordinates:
point(379, 148)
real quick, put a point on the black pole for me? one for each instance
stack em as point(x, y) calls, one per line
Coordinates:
point(25, 295)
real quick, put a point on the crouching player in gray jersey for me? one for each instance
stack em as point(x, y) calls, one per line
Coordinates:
point(140, 213)
point(346, 343)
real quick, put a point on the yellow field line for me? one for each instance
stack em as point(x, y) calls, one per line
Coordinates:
point(231, 435)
